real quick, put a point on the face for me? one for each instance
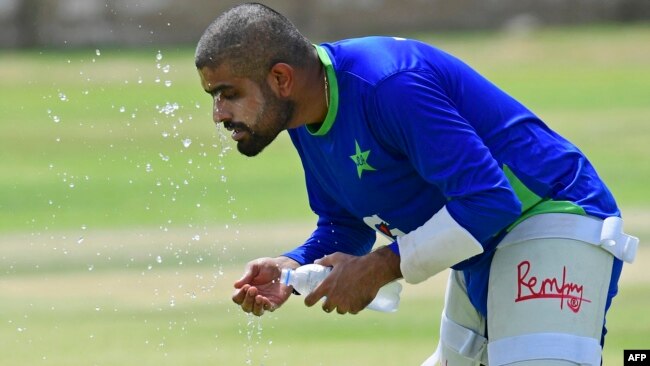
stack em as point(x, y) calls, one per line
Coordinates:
point(253, 113)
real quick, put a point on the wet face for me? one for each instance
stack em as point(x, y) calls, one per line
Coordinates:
point(251, 111)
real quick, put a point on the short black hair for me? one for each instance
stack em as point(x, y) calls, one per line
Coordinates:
point(252, 38)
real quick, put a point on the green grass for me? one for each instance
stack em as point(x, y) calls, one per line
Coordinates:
point(90, 168)
point(119, 245)
point(103, 304)
point(116, 156)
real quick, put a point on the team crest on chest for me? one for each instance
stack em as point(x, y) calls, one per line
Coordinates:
point(383, 227)
point(360, 159)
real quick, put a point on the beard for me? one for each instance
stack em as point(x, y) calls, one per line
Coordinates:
point(270, 121)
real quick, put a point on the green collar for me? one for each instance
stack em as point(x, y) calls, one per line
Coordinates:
point(324, 127)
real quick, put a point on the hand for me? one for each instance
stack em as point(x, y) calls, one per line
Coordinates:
point(354, 281)
point(259, 289)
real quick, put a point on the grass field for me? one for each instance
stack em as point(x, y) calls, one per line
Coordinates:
point(125, 216)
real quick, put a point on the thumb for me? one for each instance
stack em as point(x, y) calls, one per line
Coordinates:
point(327, 261)
point(245, 279)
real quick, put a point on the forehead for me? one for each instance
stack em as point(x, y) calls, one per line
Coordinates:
point(217, 77)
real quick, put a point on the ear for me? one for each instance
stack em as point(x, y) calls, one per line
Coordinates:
point(281, 78)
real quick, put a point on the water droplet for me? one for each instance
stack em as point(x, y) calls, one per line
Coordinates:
point(159, 259)
point(63, 97)
point(56, 119)
point(168, 108)
point(122, 109)
point(166, 69)
point(91, 267)
point(159, 56)
point(71, 185)
point(80, 240)
point(97, 52)
point(148, 168)
point(168, 83)
point(187, 143)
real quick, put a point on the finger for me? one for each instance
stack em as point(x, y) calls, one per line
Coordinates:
point(314, 297)
point(328, 307)
point(246, 278)
point(249, 301)
point(261, 305)
point(327, 261)
point(240, 294)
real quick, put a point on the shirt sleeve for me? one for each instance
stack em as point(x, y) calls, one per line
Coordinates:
point(336, 230)
point(417, 117)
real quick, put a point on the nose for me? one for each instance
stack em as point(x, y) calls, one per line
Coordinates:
point(219, 111)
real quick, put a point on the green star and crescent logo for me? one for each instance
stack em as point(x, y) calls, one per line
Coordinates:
point(360, 159)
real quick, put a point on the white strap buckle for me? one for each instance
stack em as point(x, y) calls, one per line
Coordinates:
point(615, 241)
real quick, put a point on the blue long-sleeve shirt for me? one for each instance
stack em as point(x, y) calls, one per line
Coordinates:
point(411, 129)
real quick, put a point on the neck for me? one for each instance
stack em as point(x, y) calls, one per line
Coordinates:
point(311, 95)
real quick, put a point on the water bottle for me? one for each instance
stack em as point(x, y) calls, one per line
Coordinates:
point(306, 278)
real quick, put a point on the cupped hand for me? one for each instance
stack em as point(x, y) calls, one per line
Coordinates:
point(259, 290)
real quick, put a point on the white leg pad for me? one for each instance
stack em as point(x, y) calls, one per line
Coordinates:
point(546, 301)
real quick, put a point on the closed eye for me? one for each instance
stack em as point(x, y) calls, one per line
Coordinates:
point(223, 91)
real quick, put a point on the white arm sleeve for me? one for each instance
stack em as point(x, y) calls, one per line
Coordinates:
point(438, 244)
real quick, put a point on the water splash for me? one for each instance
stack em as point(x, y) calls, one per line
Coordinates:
point(168, 108)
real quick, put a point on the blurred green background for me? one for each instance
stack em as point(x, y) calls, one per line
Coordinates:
point(125, 215)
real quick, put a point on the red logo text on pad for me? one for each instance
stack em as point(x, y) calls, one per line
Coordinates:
point(530, 287)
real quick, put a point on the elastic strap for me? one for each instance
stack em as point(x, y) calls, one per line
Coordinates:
point(607, 234)
point(466, 342)
point(584, 351)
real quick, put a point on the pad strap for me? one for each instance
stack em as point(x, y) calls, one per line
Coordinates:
point(465, 341)
point(584, 351)
point(607, 234)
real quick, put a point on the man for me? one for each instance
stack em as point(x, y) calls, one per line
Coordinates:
point(400, 138)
